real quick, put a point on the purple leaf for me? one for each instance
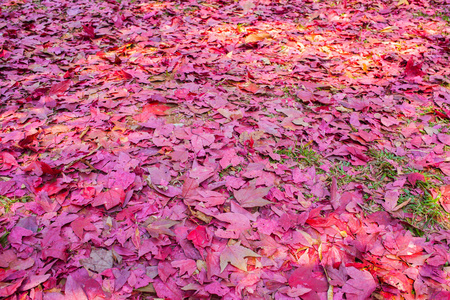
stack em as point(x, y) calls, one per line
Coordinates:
point(252, 197)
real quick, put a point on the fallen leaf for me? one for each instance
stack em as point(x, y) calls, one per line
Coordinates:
point(250, 87)
point(445, 197)
point(33, 281)
point(413, 177)
point(360, 286)
point(89, 30)
point(247, 5)
point(256, 37)
point(305, 277)
point(110, 198)
point(159, 226)
point(413, 70)
point(40, 168)
point(59, 88)
point(199, 236)
point(251, 196)
point(390, 200)
point(444, 138)
point(99, 260)
point(9, 289)
point(81, 225)
point(236, 256)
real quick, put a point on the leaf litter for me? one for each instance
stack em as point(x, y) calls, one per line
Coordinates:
point(224, 149)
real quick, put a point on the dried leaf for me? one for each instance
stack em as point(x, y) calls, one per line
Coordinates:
point(256, 37)
point(251, 196)
point(236, 256)
point(99, 260)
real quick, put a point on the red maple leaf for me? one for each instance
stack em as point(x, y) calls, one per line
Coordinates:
point(152, 109)
point(199, 236)
point(89, 30)
point(82, 224)
point(40, 168)
point(413, 70)
point(110, 198)
point(59, 87)
point(413, 177)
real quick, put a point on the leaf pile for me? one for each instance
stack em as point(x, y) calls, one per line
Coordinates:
point(224, 149)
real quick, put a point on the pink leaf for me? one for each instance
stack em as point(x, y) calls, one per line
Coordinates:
point(217, 289)
point(33, 281)
point(252, 197)
point(165, 270)
point(412, 70)
point(168, 290)
point(334, 195)
point(9, 289)
point(150, 110)
point(444, 138)
point(398, 280)
point(186, 266)
point(82, 224)
point(59, 88)
point(74, 290)
point(305, 277)
point(230, 158)
point(40, 168)
point(7, 160)
point(110, 198)
point(199, 236)
point(445, 197)
point(390, 200)
point(7, 257)
point(358, 154)
point(18, 233)
point(413, 177)
point(360, 286)
point(445, 168)
point(236, 255)
point(89, 30)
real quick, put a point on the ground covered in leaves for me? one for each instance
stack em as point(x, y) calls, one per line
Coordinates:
point(224, 149)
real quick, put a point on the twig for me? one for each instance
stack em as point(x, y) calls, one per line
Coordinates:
point(84, 132)
point(82, 157)
point(92, 167)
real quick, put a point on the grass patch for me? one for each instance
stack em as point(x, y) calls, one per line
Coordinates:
point(383, 164)
point(311, 197)
point(424, 212)
point(440, 14)
point(230, 170)
point(384, 154)
point(302, 154)
point(341, 172)
point(4, 239)
point(8, 202)
point(375, 174)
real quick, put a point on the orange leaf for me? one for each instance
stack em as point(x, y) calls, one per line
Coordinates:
point(156, 108)
point(256, 37)
point(251, 87)
point(150, 110)
point(236, 255)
